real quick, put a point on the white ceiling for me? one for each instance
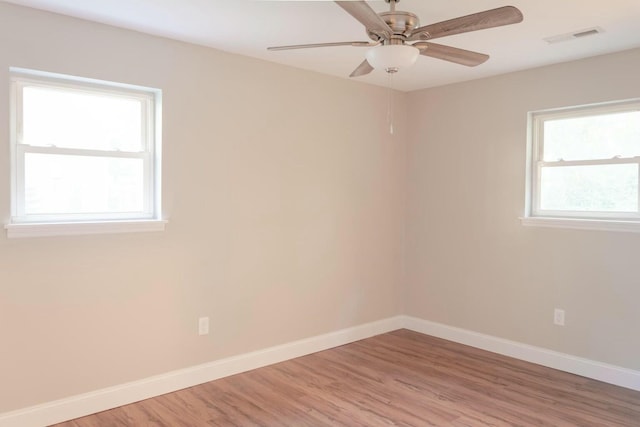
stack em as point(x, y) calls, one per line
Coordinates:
point(248, 27)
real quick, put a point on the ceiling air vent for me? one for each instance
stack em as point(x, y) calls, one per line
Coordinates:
point(574, 35)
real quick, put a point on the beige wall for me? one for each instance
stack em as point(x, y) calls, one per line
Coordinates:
point(470, 263)
point(284, 194)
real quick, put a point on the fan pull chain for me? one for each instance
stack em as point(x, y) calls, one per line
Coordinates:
point(390, 101)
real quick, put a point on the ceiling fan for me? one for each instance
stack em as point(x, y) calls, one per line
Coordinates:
point(397, 38)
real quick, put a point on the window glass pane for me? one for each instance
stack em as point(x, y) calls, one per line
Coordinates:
point(593, 137)
point(74, 119)
point(60, 184)
point(605, 188)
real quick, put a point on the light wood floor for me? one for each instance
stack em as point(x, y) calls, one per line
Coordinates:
point(397, 379)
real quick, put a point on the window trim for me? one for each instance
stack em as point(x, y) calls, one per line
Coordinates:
point(534, 216)
point(22, 230)
point(23, 225)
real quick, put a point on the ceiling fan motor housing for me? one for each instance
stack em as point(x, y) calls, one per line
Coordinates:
point(400, 22)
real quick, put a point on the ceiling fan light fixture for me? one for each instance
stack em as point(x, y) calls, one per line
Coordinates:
point(391, 58)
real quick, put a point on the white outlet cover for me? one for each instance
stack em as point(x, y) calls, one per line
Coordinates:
point(203, 326)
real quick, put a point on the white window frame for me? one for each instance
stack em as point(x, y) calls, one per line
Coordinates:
point(30, 225)
point(534, 215)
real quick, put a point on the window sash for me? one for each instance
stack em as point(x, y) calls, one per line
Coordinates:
point(537, 194)
point(148, 206)
point(19, 150)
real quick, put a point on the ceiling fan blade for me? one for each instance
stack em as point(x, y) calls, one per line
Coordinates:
point(478, 21)
point(451, 54)
point(306, 46)
point(364, 68)
point(367, 17)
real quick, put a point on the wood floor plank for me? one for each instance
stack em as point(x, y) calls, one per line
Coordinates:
point(402, 378)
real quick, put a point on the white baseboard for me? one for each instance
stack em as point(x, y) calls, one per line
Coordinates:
point(611, 374)
point(112, 397)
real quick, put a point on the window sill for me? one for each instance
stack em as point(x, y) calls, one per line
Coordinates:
point(18, 230)
point(582, 224)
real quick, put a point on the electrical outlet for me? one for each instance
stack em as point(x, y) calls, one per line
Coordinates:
point(203, 326)
point(558, 317)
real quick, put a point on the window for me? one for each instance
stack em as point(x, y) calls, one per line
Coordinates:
point(85, 153)
point(585, 167)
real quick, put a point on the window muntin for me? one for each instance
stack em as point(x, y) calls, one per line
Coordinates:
point(83, 151)
point(585, 162)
